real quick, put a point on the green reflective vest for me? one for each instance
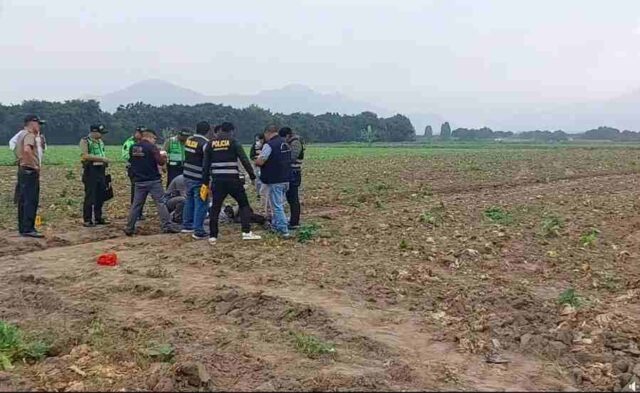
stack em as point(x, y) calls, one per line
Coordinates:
point(96, 148)
point(176, 152)
point(126, 147)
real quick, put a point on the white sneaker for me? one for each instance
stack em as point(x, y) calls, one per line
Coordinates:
point(213, 241)
point(250, 236)
point(186, 231)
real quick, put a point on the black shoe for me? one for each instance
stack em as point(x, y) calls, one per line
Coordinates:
point(34, 234)
point(128, 232)
point(88, 224)
point(294, 227)
point(102, 221)
point(172, 229)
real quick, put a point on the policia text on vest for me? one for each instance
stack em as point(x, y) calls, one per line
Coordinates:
point(94, 164)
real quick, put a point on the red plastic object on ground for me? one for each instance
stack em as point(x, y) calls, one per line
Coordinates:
point(110, 259)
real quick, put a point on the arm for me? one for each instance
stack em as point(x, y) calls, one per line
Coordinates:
point(206, 163)
point(14, 141)
point(29, 149)
point(160, 159)
point(252, 151)
point(296, 149)
point(125, 150)
point(244, 160)
point(264, 155)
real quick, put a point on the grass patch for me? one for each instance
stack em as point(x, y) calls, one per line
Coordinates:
point(551, 226)
point(307, 232)
point(589, 238)
point(570, 297)
point(312, 346)
point(160, 352)
point(498, 215)
point(14, 347)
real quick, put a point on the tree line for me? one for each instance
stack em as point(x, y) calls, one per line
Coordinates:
point(68, 121)
point(485, 133)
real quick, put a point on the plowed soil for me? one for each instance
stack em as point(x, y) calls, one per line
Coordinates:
point(410, 278)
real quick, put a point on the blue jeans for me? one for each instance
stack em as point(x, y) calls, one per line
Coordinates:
point(277, 198)
point(195, 209)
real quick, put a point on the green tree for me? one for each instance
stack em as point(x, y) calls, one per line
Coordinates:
point(445, 131)
point(428, 132)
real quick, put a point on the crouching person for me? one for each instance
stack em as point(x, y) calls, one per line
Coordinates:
point(175, 198)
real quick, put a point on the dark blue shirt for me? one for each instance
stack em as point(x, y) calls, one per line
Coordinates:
point(145, 157)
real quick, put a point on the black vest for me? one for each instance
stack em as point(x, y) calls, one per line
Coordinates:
point(277, 168)
point(194, 156)
point(224, 159)
point(296, 164)
point(144, 166)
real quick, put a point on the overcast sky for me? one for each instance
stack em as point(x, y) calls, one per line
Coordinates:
point(408, 55)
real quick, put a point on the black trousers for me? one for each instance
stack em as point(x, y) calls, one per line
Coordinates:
point(28, 199)
point(221, 189)
point(95, 185)
point(293, 198)
point(173, 171)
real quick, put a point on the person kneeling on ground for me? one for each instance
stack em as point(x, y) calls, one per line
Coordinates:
point(175, 197)
point(145, 158)
point(221, 163)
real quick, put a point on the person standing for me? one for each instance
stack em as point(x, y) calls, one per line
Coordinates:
point(195, 208)
point(29, 154)
point(145, 158)
point(275, 171)
point(174, 147)
point(126, 148)
point(254, 152)
point(13, 142)
point(221, 158)
point(94, 162)
point(297, 155)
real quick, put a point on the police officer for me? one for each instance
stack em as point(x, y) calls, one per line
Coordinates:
point(221, 162)
point(297, 155)
point(94, 162)
point(145, 159)
point(174, 147)
point(126, 147)
point(195, 209)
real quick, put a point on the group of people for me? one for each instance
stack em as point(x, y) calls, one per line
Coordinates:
point(203, 168)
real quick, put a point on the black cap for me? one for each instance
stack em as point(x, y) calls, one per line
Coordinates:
point(30, 118)
point(98, 128)
point(140, 128)
point(203, 127)
point(185, 132)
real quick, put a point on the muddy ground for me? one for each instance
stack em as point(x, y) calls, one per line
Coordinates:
point(447, 270)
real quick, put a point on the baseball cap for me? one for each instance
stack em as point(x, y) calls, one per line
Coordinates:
point(30, 118)
point(185, 132)
point(98, 128)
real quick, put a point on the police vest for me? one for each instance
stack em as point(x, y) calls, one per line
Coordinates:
point(277, 168)
point(224, 159)
point(296, 164)
point(95, 148)
point(194, 156)
point(176, 152)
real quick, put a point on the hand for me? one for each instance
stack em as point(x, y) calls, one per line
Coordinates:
point(43, 142)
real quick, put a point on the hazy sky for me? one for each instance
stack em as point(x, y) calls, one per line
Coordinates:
point(408, 55)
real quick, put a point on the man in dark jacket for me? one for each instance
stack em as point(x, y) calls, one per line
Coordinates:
point(297, 155)
point(275, 172)
point(221, 158)
point(195, 209)
point(145, 158)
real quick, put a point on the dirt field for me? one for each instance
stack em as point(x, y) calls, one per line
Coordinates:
point(431, 269)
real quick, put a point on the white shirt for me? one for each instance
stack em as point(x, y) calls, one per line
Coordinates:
point(14, 141)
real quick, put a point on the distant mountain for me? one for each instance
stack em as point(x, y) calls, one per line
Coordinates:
point(289, 99)
point(153, 92)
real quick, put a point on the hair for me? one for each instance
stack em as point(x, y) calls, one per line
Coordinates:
point(148, 131)
point(259, 135)
point(271, 130)
point(227, 127)
point(203, 127)
point(284, 131)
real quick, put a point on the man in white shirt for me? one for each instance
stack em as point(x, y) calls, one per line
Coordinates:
point(42, 146)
